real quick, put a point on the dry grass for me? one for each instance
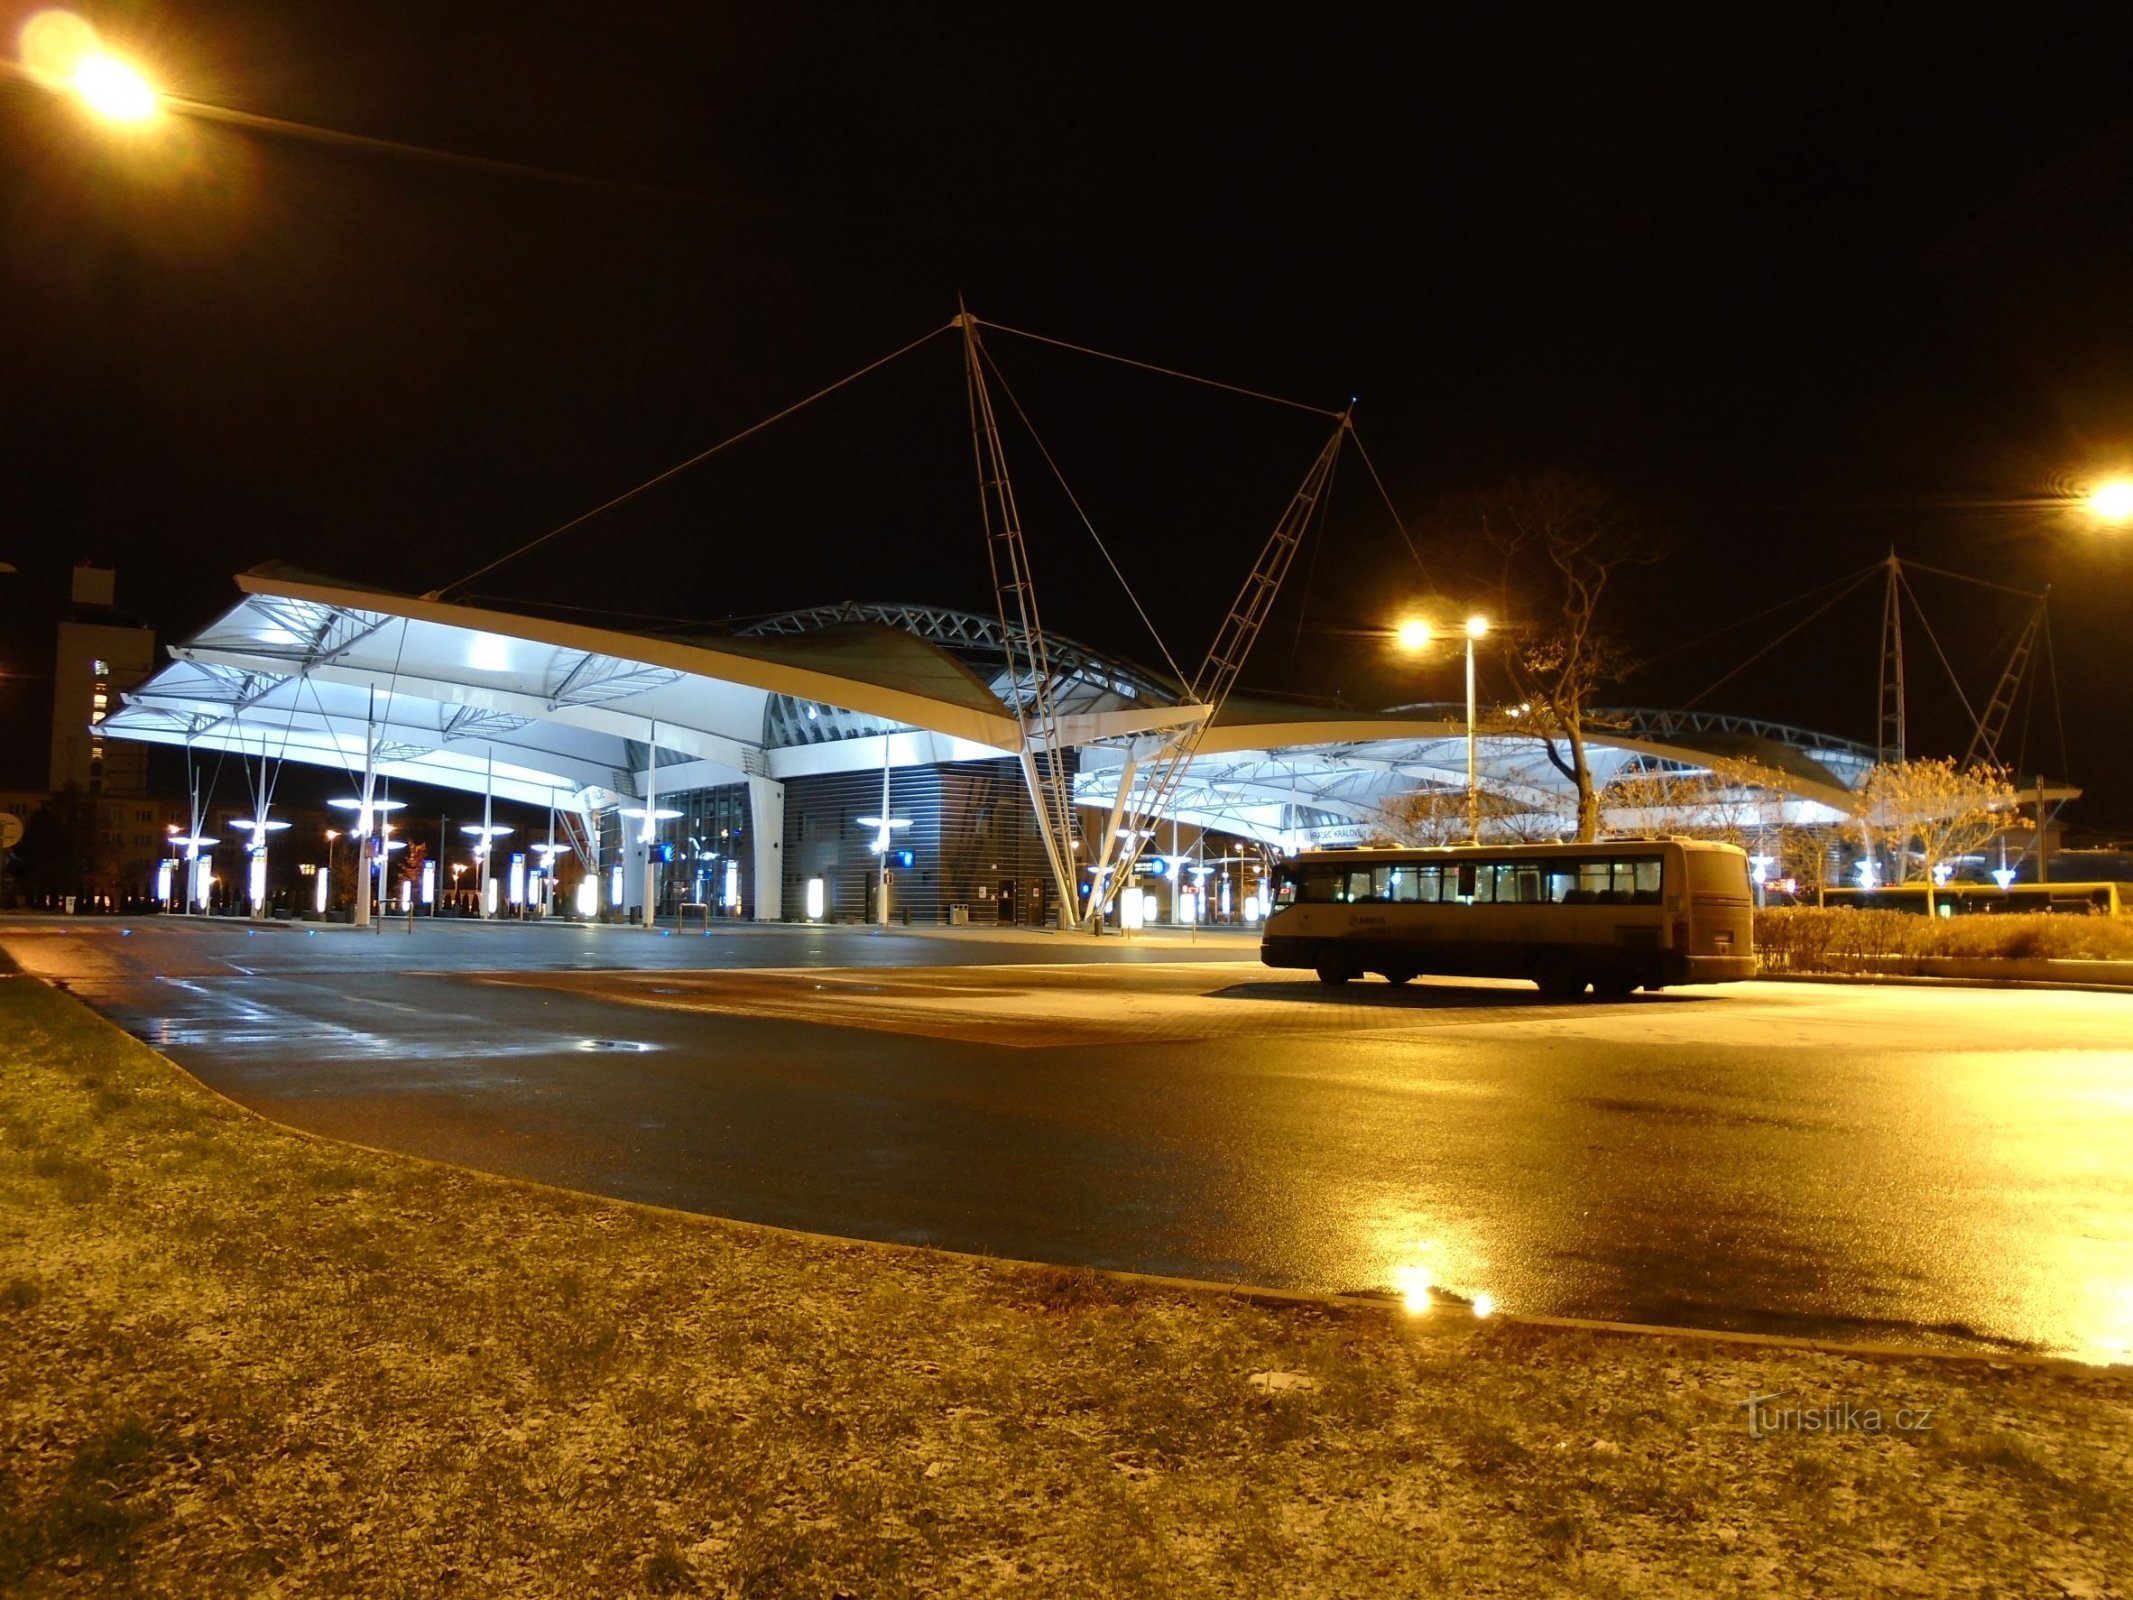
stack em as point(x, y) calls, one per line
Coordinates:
point(236, 1360)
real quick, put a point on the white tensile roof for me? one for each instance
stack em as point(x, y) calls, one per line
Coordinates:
point(306, 668)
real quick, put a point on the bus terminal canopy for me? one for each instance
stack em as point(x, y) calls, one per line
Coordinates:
point(540, 711)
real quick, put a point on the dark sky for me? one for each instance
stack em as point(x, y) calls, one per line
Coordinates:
point(1802, 284)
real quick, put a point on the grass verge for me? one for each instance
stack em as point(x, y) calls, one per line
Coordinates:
point(235, 1359)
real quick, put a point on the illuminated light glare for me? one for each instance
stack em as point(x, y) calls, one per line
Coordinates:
point(2111, 501)
point(1415, 634)
point(54, 44)
point(429, 883)
point(488, 898)
point(1484, 1304)
point(2003, 876)
point(1413, 1282)
point(815, 900)
point(1477, 627)
point(588, 896)
point(319, 885)
point(115, 89)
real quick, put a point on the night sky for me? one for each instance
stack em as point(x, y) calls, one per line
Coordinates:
point(1801, 284)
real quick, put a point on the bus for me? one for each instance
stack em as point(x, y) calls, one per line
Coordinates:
point(1610, 917)
point(1986, 899)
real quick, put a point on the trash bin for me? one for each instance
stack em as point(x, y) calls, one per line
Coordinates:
point(959, 916)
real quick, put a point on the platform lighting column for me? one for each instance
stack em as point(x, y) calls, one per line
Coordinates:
point(488, 833)
point(651, 825)
point(881, 881)
point(1477, 627)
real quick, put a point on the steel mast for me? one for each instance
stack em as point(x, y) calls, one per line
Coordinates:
point(1165, 773)
point(1042, 753)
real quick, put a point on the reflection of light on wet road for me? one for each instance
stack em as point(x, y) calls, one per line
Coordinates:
point(226, 1019)
point(1413, 1281)
point(1862, 1163)
point(2106, 1329)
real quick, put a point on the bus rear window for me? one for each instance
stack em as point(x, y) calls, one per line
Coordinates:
point(1718, 872)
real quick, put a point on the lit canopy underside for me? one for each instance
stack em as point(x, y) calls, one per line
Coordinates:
point(304, 668)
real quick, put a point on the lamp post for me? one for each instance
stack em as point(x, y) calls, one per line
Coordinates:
point(648, 836)
point(197, 878)
point(370, 814)
point(1477, 628)
point(488, 833)
point(1414, 636)
point(884, 827)
point(256, 855)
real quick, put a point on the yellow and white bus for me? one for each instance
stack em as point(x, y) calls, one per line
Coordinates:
point(1612, 917)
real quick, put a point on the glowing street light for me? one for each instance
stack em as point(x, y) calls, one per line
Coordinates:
point(487, 833)
point(62, 52)
point(884, 827)
point(2110, 502)
point(1414, 635)
point(256, 876)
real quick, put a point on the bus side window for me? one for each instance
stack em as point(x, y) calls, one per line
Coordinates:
point(1358, 884)
point(1381, 882)
point(1428, 882)
point(1467, 880)
point(1405, 885)
point(1562, 881)
point(1320, 887)
point(1647, 881)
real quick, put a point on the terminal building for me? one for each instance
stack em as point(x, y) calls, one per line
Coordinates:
point(760, 769)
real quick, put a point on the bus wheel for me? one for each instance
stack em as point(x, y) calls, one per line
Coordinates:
point(1558, 979)
point(1332, 970)
point(1400, 975)
point(1614, 986)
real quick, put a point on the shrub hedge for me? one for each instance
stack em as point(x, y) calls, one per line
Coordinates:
point(1845, 938)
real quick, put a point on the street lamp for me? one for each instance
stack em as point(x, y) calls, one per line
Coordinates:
point(2110, 501)
point(197, 877)
point(256, 875)
point(487, 833)
point(62, 52)
point(648, 836)
point(884, 827)
point(1415, 635)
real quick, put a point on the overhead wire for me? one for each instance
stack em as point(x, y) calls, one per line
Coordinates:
point(1758, 616)
point(1150, 366)
point(1074, 500)
point(1781, 638)
point(1977, 723)
point(1391, 510)
point(696, 460)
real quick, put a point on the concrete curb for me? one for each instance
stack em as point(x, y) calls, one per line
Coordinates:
point(1445, 1320)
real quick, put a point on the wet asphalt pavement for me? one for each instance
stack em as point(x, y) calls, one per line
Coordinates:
point(1946, 1165)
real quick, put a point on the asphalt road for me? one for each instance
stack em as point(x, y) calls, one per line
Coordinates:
point(1934, 1164)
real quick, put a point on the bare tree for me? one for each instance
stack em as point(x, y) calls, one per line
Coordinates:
point(1812, 856)
point(1733, 800)
point(1931, 810)
point(1558, 541)
point(1438, 816)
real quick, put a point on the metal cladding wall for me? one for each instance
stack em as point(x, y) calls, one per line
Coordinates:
point(972, 836)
